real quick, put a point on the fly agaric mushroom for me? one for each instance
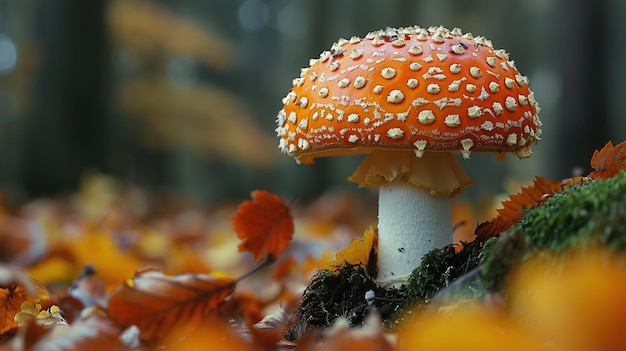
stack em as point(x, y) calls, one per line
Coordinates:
point(409, 98)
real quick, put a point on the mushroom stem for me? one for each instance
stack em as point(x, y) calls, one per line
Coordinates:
point(414, 206)
point(411, 222)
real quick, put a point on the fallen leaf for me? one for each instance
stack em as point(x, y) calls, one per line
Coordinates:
point(264, 224)
point(608, 161)
point(157, 303)
point(358, 252)
point(513, 208)
point(15, 289)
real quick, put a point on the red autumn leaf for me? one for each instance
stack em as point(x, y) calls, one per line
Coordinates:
point(158, 304)
point(512, 209)
point(608, 161)
point(264, 224)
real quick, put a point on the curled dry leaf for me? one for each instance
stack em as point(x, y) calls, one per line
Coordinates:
point(512, 209)
point(264, 224)
point(608, 161)
point(157, 304)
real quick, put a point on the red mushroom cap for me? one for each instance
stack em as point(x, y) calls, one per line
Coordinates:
point(409, 89)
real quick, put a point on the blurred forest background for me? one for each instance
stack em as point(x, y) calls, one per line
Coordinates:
point(181, 95)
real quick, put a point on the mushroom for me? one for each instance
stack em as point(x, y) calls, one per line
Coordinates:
point(410, 99)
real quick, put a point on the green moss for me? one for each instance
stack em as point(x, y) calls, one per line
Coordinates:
point(438, 268)
point(594, 213)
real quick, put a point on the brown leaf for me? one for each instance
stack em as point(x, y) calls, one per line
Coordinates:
point(93, 332)
point(157, 303)
point(264, 224)
point(15, 288)
point(608, 161)
point(512, 211)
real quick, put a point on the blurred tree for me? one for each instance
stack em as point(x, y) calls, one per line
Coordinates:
point(67, 130)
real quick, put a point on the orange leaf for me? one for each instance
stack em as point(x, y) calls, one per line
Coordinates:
point(358, 252)
point(157, 303)
point(512, 210)
point(608, 161)
point(264, 224)
point(15, 288)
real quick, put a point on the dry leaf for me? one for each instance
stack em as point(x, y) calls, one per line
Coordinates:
point(157, 303)
point(608, 161)
point(264, 224)
point(512, 211)
point(15, 289)
point(358, 252)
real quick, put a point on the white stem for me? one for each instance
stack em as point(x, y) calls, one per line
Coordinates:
point(411, 222)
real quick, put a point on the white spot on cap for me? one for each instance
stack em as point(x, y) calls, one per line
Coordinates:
point(426, 117)
point(433, 88)
point(487, 125)
point(511, 139)
point(359, 82)
point(398, 43)
point(415, 50)
point(491, 61)
point(466, 144)
point(510, 103)
point(378, 89)
point(521, 80)
point(293, 118)
point(420, 145)
point(494, 87)
point(442, 56)
point(395, 133)
point(290, 97)
point(455, 68)
point(292, 148)
point(353, 117)
point(323, 92)
point(355, 40)
point(470, 88)
point(509, 83)
point(334, 65)
point(412, 83)
point(353, 138)
point(484, 95)
point(452, 121)
point(414, 66)
point(457, 49)
point(342, 83)
point(502, 54)
point(356, 53)
point(395, 96)
point(474, 112)
point(475, 72)
point(388, 72)
point(497, 108)
point(523, 100)
point(304, 144)
point(304, 101)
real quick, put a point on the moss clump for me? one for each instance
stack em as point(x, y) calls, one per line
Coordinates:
point(438, 268)
point(590, 214)
point(593, 213)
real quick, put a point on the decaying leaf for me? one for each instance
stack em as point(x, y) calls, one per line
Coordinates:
point(358, 252)
point(608, 161)
point(512, 209)
point(15, 289)
point(264, 224)
point(158, 304)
